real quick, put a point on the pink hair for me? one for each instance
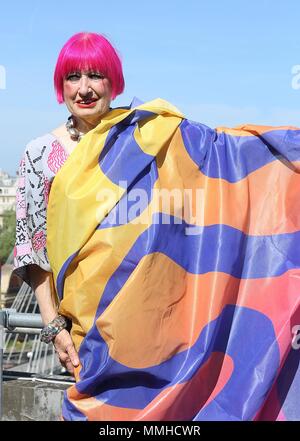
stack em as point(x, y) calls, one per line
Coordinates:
point(88, 50)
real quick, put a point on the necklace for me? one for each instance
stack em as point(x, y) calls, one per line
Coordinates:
point(70, 126)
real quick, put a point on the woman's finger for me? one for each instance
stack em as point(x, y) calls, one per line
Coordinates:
point(73, 354)
point(66, 362)
point(69, 366)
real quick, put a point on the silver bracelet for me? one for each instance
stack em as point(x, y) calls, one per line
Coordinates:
point(50, 331)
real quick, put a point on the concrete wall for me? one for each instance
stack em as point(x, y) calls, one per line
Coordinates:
point(27, 400)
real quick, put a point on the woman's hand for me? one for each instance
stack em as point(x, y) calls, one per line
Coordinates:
point(42, 284)
point(66, 351)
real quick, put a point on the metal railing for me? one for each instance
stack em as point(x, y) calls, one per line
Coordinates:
point(23, 351)
point(13, 321)
point(22, 354)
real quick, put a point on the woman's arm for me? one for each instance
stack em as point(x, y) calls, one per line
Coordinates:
point(41, 285)
point(41, 282)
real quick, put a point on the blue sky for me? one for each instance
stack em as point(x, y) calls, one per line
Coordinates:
point(220, 62)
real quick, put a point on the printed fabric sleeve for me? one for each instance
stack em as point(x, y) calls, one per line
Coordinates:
point(31, 214)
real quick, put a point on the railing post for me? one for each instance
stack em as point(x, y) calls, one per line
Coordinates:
point(2, 326)
point(10, 319)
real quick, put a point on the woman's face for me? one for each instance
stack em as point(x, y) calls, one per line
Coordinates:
point(87, 95)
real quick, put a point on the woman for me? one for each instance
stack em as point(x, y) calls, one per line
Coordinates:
point(177, 314)
point(87, 95)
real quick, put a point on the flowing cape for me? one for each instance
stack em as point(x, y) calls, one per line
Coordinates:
point(179, 314)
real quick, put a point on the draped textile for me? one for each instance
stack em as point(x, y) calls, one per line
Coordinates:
point(179, 314)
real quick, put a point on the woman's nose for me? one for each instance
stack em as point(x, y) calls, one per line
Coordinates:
point(84, 85)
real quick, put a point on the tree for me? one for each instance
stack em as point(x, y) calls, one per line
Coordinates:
point(7, 234)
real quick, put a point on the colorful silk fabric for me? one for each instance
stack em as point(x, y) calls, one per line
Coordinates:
point(176, 316)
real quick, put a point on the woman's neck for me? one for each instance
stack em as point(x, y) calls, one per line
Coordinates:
point(85, 126)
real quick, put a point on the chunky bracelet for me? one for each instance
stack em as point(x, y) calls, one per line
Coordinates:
point(50, 331)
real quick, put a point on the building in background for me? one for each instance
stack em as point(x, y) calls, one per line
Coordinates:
point(9, 284)
point(8, 186)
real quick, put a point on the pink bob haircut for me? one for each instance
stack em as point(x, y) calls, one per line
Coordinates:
point(89, 51)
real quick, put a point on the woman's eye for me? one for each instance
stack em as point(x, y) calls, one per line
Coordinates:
point(73, 77)
point(96, 76)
